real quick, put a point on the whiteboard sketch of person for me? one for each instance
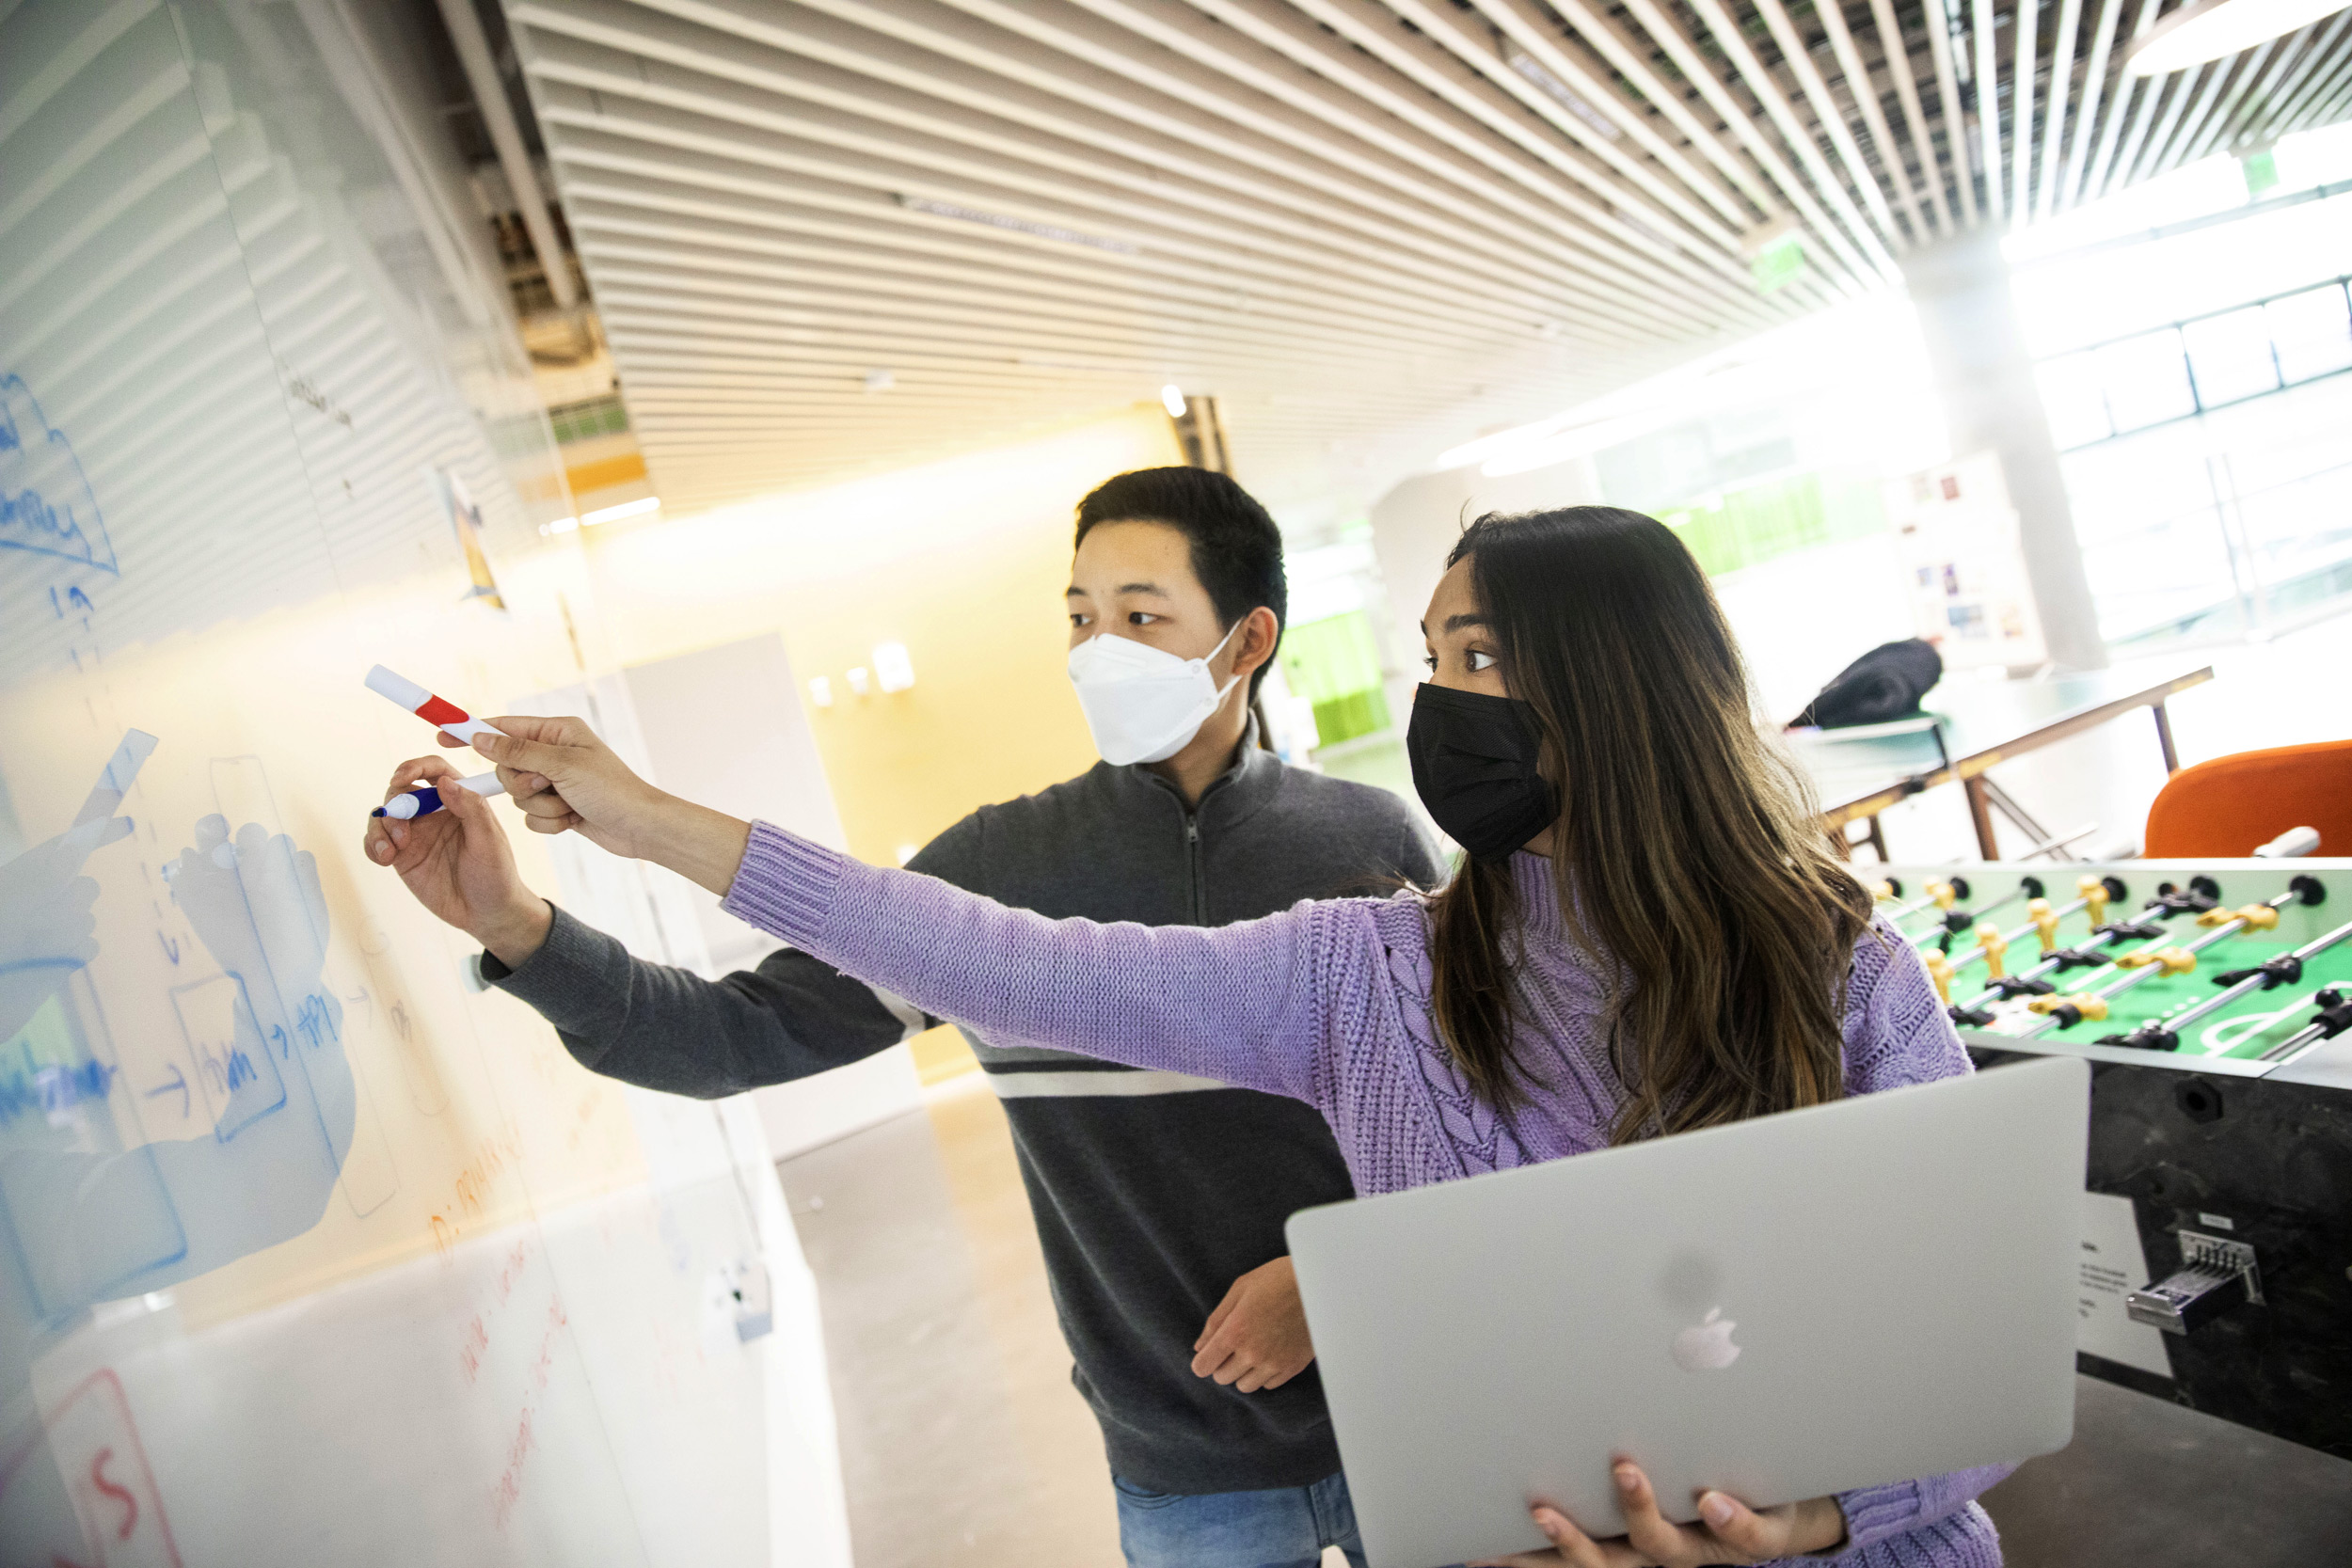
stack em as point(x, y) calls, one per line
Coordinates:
point(79, 1226)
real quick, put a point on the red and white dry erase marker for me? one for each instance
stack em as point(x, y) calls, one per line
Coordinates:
point(448, 718)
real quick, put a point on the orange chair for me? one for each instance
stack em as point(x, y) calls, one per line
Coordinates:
point(2230, 806)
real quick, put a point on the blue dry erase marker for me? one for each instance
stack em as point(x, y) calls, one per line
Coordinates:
point(439, 711)
point(425, 800)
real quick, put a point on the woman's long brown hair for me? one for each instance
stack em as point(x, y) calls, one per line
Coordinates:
point(1689, 864)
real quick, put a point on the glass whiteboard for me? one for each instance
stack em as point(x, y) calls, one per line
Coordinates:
point(310, 1250)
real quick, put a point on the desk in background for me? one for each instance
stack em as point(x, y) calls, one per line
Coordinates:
point(1964, 731)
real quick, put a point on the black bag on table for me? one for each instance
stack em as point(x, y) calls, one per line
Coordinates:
point(1882, 685)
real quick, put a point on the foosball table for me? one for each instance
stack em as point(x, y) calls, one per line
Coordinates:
point(2214, 1000)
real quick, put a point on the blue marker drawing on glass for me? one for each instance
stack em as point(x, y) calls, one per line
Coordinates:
point(46, 504)
point(105, 796)
point(238, 1081)
point(47, 930)
point(27, 1084)
point(82, 1223)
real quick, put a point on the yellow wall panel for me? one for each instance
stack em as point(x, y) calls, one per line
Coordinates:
point(965, 562)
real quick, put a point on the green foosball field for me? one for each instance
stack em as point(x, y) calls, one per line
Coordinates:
point(2238, 967)
point(2216, 1241)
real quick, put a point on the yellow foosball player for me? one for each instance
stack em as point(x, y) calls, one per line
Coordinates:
point(2159, 958)
point(2094, 893)
point(2064, 1012)
point(1992, 944)
point(1940, 971)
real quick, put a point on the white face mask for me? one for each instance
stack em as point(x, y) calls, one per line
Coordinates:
point(1142, 704)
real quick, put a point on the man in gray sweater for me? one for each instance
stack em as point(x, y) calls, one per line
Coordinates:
point(1159, 1198)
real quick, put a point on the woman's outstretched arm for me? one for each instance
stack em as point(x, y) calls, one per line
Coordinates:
point(1243, 1004)
point(1239, 1004)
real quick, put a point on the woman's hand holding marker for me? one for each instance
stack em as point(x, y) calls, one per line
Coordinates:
point(452, 854)
point(566, 779)
point(444, 715)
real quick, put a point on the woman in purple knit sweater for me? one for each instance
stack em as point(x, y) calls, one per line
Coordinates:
point(1647, 936)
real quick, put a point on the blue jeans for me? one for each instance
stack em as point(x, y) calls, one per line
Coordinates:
point(1285, 1527)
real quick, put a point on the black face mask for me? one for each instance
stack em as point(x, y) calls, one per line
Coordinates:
point(1474, 768)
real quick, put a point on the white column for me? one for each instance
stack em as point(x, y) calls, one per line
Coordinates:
point(1986, 384)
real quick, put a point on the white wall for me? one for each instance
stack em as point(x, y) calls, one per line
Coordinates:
point(1415, 525)
point(725, 725)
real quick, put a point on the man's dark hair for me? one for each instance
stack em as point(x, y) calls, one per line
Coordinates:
point(1237, 549)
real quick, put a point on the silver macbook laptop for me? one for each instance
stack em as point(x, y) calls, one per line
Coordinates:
point(1804, 1304)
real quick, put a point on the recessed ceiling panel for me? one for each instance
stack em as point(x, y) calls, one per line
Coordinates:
point(829, 237)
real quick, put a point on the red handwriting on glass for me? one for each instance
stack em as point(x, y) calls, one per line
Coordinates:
point(120, 1494)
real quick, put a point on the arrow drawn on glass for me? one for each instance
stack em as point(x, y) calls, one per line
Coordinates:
point(180, 1082)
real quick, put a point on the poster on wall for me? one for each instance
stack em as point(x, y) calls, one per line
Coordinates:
point(1957, 537)
point(465, 519)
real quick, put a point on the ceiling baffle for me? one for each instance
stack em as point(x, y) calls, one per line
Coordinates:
point(1371, 227)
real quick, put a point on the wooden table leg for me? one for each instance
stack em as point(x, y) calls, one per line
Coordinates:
point(2164, 738)
point(1878, 840)
point(1981, 813)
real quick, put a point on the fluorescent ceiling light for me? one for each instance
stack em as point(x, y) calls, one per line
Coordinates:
point(1527, 66)
point(2200, 32)
point(1803, 354)
point(1172, 399)
point(603, 515)
point(626, 509)
point(1017, 225)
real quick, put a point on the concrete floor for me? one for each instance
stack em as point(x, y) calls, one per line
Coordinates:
point(2146, 1484)
point(962, 1439)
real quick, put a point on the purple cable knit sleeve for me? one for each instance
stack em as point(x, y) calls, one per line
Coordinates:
point(1896, 1032)
point(1241, 1004)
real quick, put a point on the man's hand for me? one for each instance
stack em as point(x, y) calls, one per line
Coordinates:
point(1729, 1532)
point(1257, 1338)
point(458, 863)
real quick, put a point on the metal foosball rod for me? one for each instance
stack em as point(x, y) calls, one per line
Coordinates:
point(1993, 943)
point(2096, 892)
point(1942, 898)
point(1935, 894)
point(2284, 970)
point(2335, 1018)
point(1956, 920)
point(2027, 889)
point(2138, 967)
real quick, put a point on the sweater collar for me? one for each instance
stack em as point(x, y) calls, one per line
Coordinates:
point(1539, 939)
point(1248, 783)
point(1539, 904)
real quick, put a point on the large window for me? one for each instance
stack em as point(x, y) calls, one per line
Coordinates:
point(2187, 367)
point(2193, 349)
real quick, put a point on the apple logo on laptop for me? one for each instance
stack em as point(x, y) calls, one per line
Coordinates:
point(1707, 1347)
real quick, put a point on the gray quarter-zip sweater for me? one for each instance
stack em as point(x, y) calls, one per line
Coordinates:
point(1151, 1190)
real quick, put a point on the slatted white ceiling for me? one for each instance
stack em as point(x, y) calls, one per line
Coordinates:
point(1371, 227)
